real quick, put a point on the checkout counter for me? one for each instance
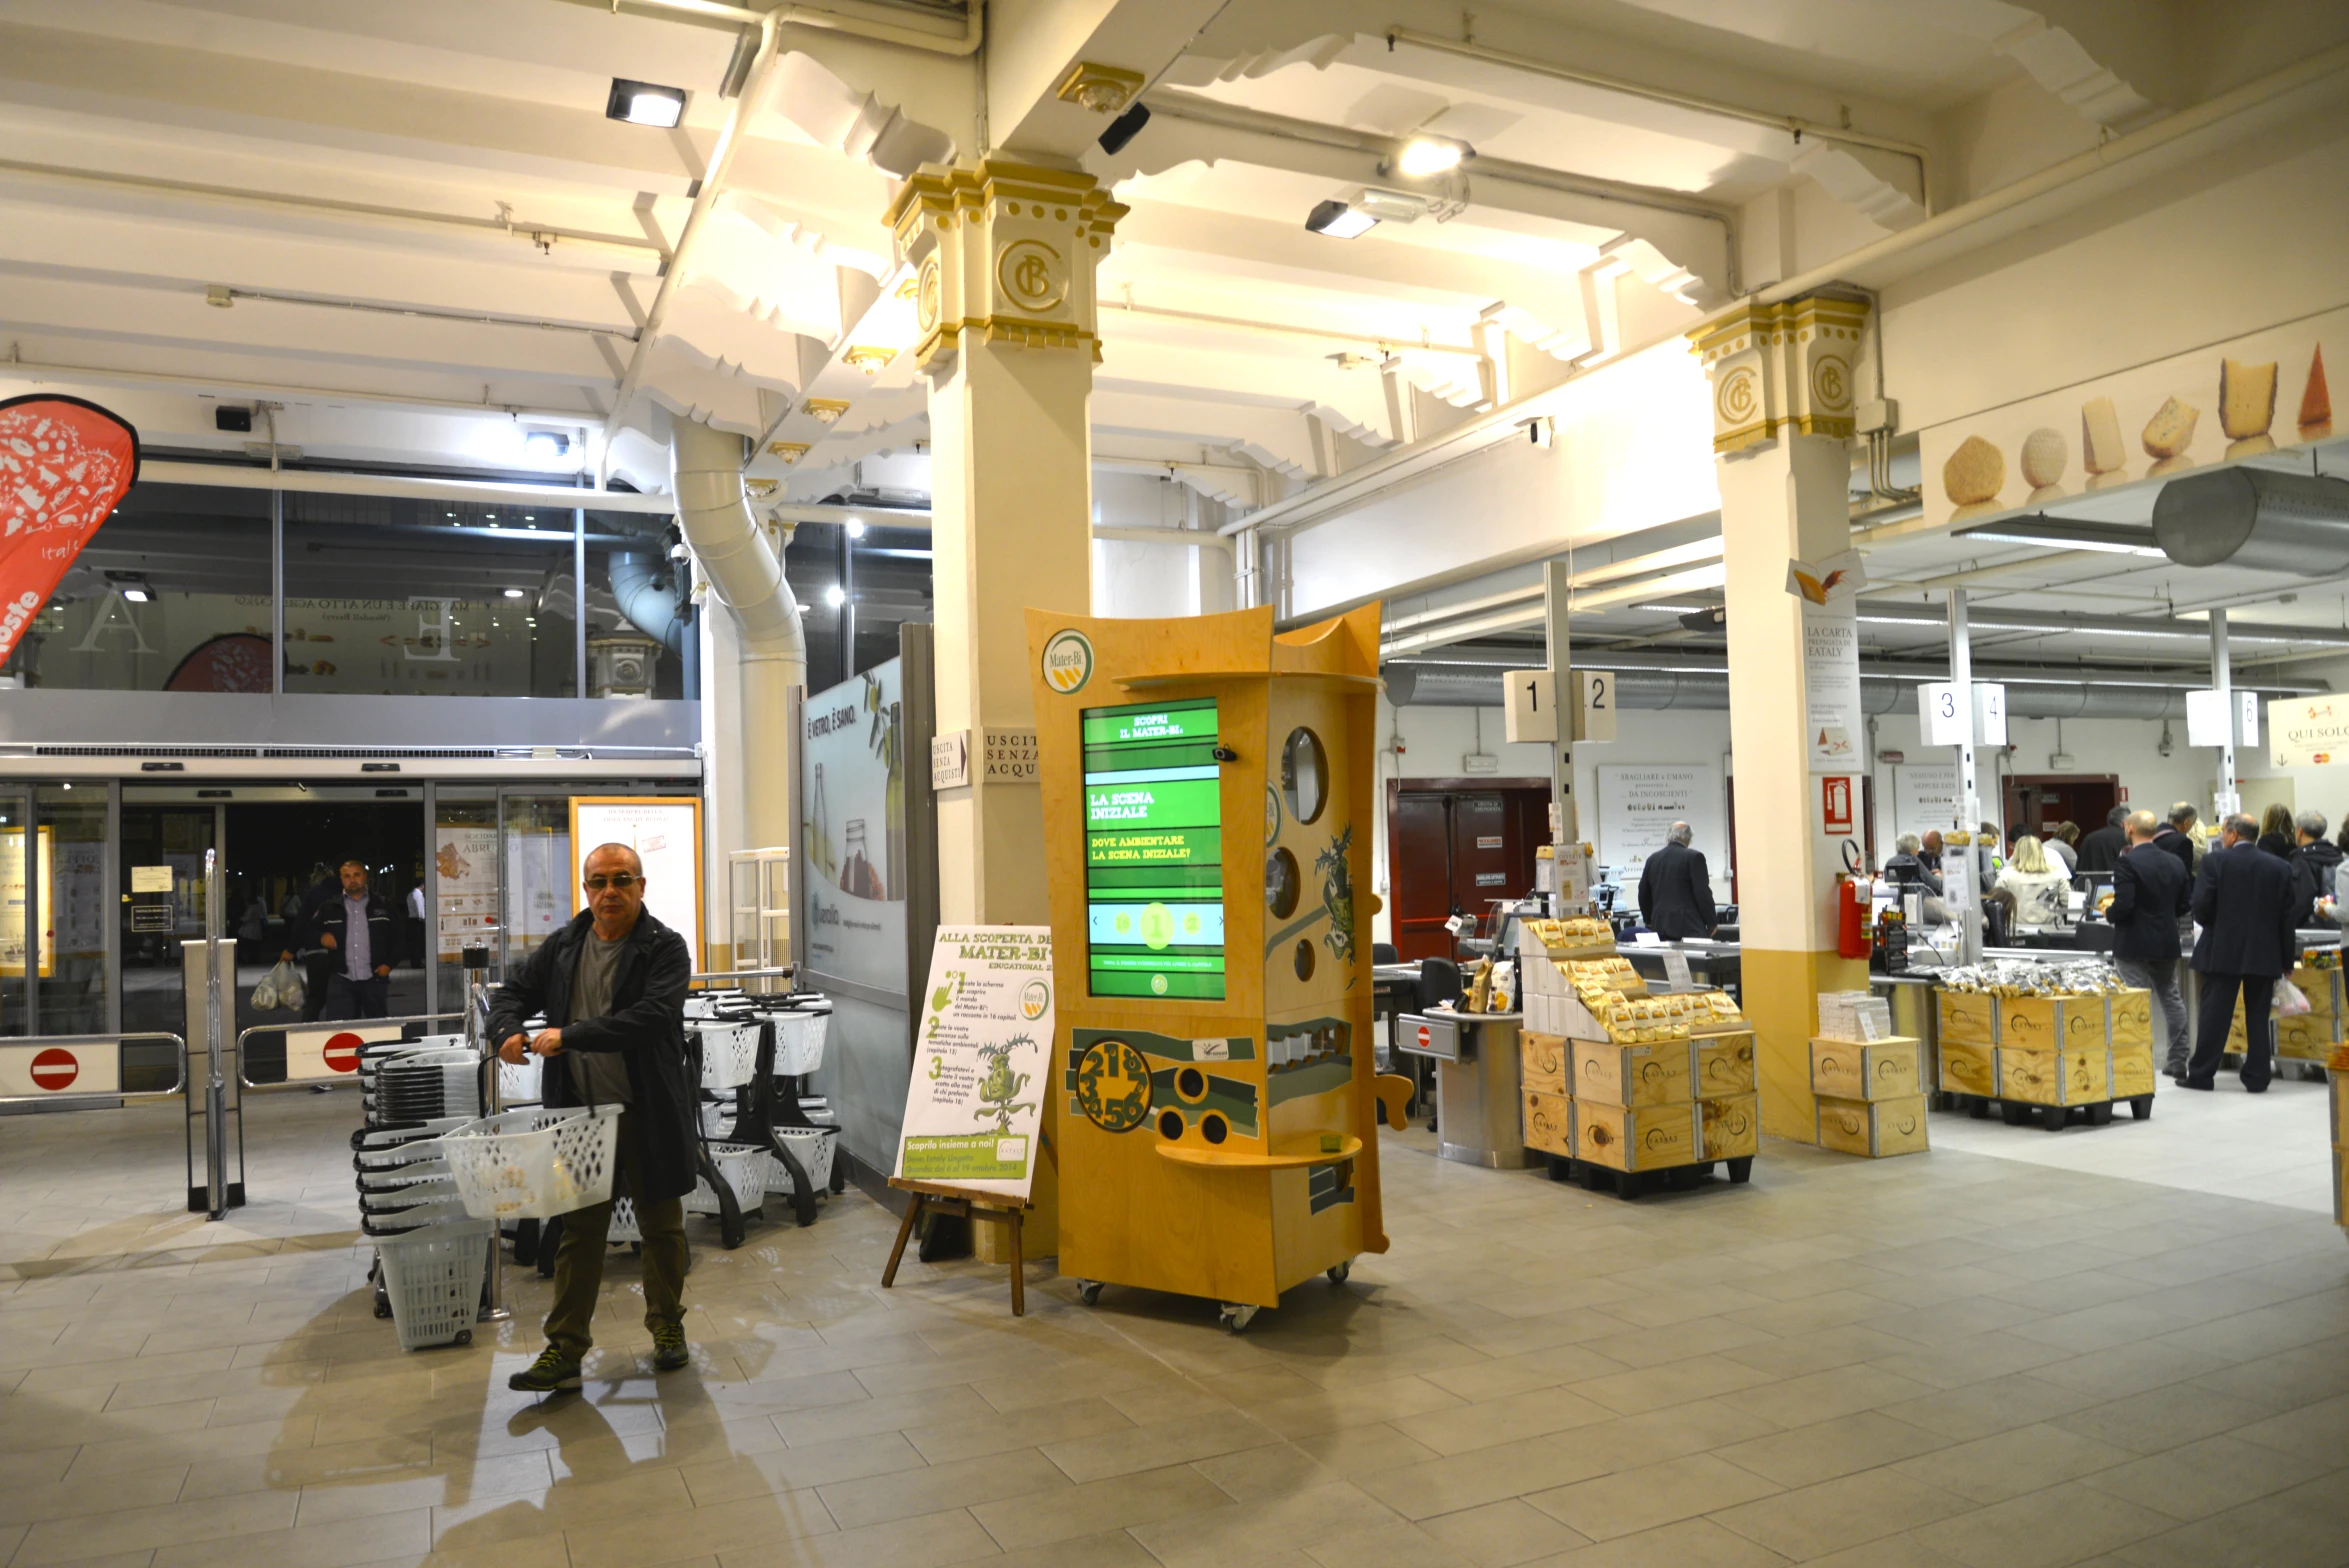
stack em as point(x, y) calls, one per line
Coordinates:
point(1479, 1104)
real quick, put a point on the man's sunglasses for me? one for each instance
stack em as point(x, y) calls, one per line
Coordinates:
point(623, 880)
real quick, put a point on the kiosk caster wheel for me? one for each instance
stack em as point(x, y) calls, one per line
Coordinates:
point(1089, 1292)
point(2142, 1107)
point(464, 1337)
point(1338, 1271)
point(1237, 1316)
point(2052, 1117)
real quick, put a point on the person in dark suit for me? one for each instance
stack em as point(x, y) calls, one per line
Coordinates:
point(1676, 891)
point(2243, 900)
point(356, 932)
point(2150, 892)
point(2102, 849)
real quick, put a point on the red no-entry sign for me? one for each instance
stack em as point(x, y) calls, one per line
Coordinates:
point(342, 1053)
point(56, 1068)
point(1426, 1039)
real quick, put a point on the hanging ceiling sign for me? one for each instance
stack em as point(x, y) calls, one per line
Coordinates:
point(64, 467)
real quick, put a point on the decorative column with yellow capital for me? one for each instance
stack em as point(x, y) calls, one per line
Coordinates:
point(1004, 256)
point(1782, 421)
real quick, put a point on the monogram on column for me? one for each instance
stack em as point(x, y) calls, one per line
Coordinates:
point(1004, 251)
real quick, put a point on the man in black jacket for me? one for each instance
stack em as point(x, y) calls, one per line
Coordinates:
point(1676, 891)
point(2243, 900)
point(611, 987)
point(2101, 850)
point(2318, 860)
point(2149, 894)
point(355, 928)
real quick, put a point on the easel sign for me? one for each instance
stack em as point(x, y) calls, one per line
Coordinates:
point(665, 832)
point(974, 1110)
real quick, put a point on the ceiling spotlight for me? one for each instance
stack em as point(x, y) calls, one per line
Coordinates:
point(1124, 129)
point(645, 103)
point(545, 444)
point(1424, 156)
point(1339, 221)
point(856, 528)
point(835, 597)
point(134, 596)
point(513, 593)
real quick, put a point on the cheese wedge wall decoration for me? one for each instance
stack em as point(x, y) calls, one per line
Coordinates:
point(2247, 398)
point(2238, 399)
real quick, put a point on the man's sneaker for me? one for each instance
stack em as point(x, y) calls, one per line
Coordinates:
point(550, 1372)
point(669, 1349)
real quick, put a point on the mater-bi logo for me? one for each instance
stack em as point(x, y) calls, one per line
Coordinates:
point(1068, 661)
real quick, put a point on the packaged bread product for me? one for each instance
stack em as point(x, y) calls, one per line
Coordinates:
point(2044, 456)
point(1975, 472)
point(2247, 398)
point(2316, 401)
point(2101, 451)
point(2171, 429)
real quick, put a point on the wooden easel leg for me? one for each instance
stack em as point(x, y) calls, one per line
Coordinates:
point(1019, 1270)
point(905, 1228)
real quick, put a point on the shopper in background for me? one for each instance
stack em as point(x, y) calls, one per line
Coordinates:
point(2176, 836)
point(2275, 830)
point(1907, 865)
point(361, 946)
point(2101, 850)
point(301, 935)
point(1990, 841)
point(2062, 844)
point(1929, 850)
point(2042, 893)
point(611, 986)
point(2243, 900)
point(2318, 861)
point(1676, 889)
point(2151, 895)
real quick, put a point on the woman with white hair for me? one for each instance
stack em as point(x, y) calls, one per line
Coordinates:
point(2042, 893)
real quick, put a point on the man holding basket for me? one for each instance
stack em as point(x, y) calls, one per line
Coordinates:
point(611, 986)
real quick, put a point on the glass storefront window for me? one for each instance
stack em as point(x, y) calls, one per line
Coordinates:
point(881, 578)
point(76, 904)
point(465, 866)
point(171, 594)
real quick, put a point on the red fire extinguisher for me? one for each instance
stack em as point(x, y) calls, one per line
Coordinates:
point(1853, 896)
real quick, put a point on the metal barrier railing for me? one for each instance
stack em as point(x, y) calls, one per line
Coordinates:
point(720, 979)
point(327, 1025)
point(99, 1097)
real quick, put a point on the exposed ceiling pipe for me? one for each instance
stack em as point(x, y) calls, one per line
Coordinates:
point(1385, 345)
point(1794, 124)
point(705, 475)
point(974, 26)
point(542, 235)
point(42, 370)
point(651, 607)
point(1190, 536)
point(705, 197)
point(226, 296)
point(2262, 519)
point(230, 476)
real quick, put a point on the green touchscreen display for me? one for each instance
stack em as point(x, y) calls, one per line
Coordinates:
point(1154, 851)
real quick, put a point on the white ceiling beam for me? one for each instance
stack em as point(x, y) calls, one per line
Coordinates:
point(1037, 44)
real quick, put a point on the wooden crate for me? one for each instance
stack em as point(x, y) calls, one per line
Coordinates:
point(1729, 1127)
point(2339, 1085)
point(1725, 1064)
point(2322, 987)
point(1877, 1129)
point(1549, 1123)
point(2132, 1071)
point(2307, 1037)
point(2052, 1023)
point(2341, 1186)
point(1876, 1070)
point(2077, 1076)
point(1967, 1017)
point(1661, 1073)
point(1642, 1138)
point(2131, 1015)
point(1969, 1069)
point(1543, 1062)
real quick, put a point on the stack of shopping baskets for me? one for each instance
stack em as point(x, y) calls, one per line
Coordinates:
point(430, 1255)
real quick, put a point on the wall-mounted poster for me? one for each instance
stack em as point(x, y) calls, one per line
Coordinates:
point(665, 832)
point(466, 859)
point(1639, 803)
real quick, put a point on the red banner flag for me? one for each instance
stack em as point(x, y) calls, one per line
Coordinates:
point(64, 466)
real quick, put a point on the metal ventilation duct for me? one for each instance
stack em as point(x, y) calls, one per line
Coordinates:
point(2257, 518)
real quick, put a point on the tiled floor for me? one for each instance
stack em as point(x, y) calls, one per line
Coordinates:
point(2001, 1353)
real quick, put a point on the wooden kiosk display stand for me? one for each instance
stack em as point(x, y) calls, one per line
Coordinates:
point(1219, 1132)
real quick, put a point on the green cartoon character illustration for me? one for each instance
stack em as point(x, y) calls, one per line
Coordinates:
point(999, 1089)
point(1337, 894)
